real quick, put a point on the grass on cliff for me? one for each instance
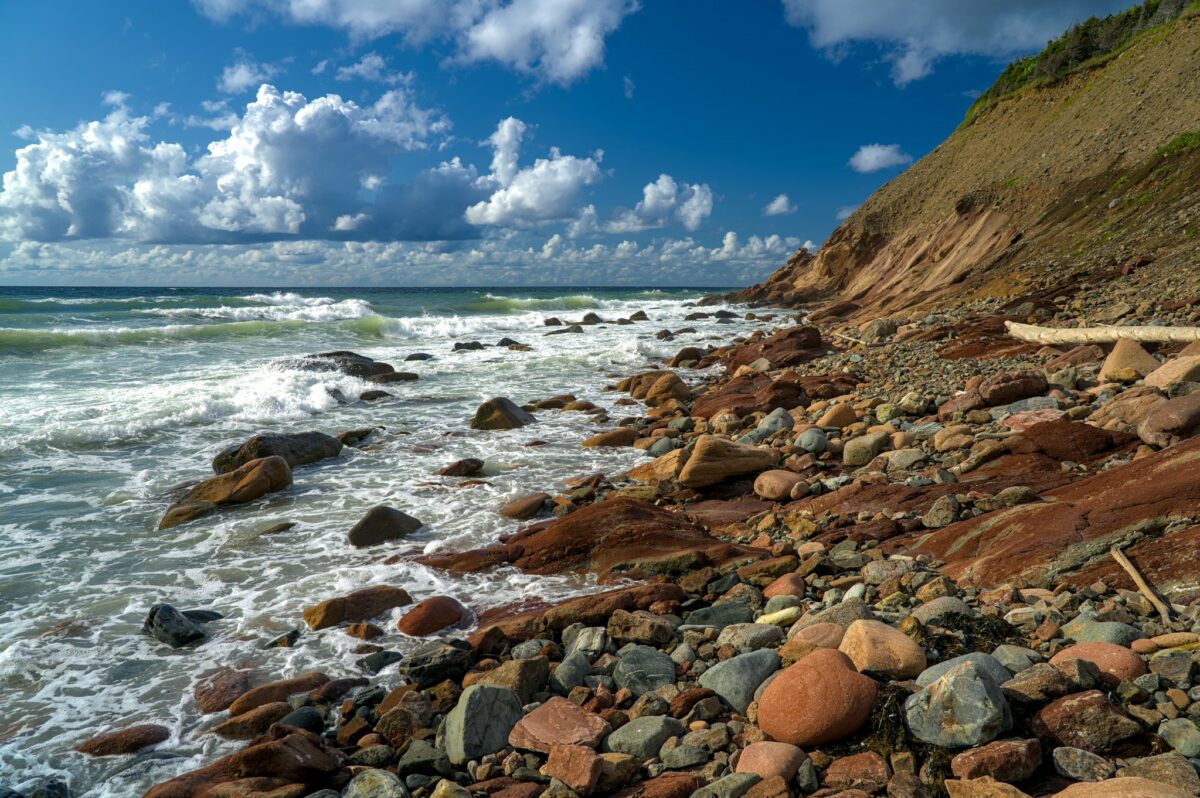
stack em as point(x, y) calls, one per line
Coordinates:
point(1088, 44)
point(1180, 145)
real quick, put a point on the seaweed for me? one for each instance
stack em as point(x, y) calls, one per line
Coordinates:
point(956, 634)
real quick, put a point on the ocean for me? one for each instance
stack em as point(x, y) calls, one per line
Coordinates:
point(109, 398)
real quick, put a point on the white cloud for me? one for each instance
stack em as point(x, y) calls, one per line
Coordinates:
point(287, 167)
point(916, 33)
point(372, 67)
point(245, 73)
point(661, 200)
point(629, 87)
point(876, 157)
point(545, 191)
point(557, 41)
point(780, 206)
point(845, 212)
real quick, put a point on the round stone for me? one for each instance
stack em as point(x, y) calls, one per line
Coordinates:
point(820, 699)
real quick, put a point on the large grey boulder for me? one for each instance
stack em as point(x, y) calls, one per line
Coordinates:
point(480, 722)
point(642, 737)
point(965, 707)
point(643, 669)
point(736, 679)
point(298, 448)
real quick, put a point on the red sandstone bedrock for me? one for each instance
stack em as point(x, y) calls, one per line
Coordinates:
point(1066, 538)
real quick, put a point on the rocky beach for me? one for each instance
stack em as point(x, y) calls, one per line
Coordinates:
point(906, 556)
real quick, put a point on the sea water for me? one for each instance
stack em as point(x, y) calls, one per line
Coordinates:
point(110, 398)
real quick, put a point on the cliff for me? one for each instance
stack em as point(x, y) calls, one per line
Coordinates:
point(1076, 180)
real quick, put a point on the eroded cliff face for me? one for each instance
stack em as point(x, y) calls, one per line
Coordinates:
point(1054, 184)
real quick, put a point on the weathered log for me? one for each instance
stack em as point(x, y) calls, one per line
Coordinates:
point(1100, 335)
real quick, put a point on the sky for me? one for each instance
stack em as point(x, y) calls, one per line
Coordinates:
point(471, 142)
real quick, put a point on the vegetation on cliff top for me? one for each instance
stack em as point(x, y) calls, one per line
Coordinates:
point(1087, 44)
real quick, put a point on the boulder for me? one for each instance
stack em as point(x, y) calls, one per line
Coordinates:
point(965, 707)
point(349, 363)
point(1084, 720)
point(819, 699)
point(1115, 662)
point(357, 606)
point(1003, 760)
point(791, 347)
point(876, 648)
point(576, 766)
point(1171, 421)
point(375, 783)
point(297, 448)
point(611, 538)
point(1068, 440)
point(432, 615)
point(1127, 362)
point(1007, 387)
point(480, 722)
point(524, 507)
point(768, 759)
point(643, 737)
point(499, 414)
point(1134, 787)
point(124, 741)
point(558, 721)
point(642, 669)
point(278, 691)
point(736, 679)
point(776, 484)
point(865, 448)
point(168, 625)
point(245, 483)
point(622, 436)
point(1175, 371)
point(467, 467)
point(714, 460)
point(381, 524)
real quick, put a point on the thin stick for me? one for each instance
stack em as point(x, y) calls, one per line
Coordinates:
point(1143, 585)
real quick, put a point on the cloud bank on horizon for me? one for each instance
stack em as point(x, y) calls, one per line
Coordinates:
point(370, 177)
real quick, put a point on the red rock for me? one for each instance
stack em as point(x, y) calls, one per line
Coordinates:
point(218, 691)
point(275, 691)
point(1069, 440)
point(1115, 662)
point(1010, 386)
point(124, 741)
point(622, 436)
point(363, 631)
point(1085, 353)
point(1084, 720)
point(771, 759)
point(524, 507)
point(682, 704)
point(1128, 408)
point(525, 623)
point(1033, 543)
point(791, 347)
point(558, 721)
point(246, 483)
point(867, 771)
point(964, 402)
point(252, 722)
point(1123, 787)
point(615, 537)
point(668, 785)
point(431, 615)
point(357, 606)
point(875, 647)
point(1018, 422)
point(295, 758)
point(786, 585)
point(818, 700)
point(1171, 421)
point(747, 394)
point(576, 766)
point(770, 787)
point(1003, 760)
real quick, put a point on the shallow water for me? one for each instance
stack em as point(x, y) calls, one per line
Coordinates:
point(110, 398)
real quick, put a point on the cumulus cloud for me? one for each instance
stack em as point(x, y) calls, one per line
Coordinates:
point(780, 206)
point(554, 40)
point(288, 167)
point(661, 201)
point(916, 33)
point(245, 73)
point(544, 191)
point(371, 67)
point(845, 212)
point(629, 87)
point(876, 157)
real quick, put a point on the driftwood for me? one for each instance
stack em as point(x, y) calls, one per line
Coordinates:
point(1143, 585)
point(1100, 335)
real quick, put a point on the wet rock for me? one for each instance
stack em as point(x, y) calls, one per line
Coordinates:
point(381, 524)
point(375, 783)
point(432, 615)
point(622, 436)
point(964, 707)
point(124, 741)
point(480, 722)
point(244, 484)
point(500, 414)
point(1003, 760)
point(736, 679)
point(433, 662)
point(642, 737)
point(1084, 720)
point(297, 448)
point(349, 363)
point(357, 606)
point(558, 721)
point(252, 722)
point(216, 692)
point(467, 467)
point(819, 699)
point(168, 625)
point(277, 691)
point(525, 507)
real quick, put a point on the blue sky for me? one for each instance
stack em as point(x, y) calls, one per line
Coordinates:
point(471, 142)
